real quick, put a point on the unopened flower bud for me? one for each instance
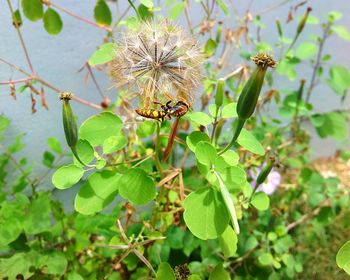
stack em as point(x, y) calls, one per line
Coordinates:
point(219, 95)
point(264, 173)
point(249, 97)
point(279, 28)
point(303, 21)
point(69, 122)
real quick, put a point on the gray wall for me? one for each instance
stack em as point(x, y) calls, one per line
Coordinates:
point(57, 59)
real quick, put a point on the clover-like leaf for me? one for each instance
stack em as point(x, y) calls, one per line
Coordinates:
point(67, 176)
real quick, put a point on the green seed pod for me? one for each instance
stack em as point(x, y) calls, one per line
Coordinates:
point(301, 90)
point(218, 32)
point(69, 123)
point(279, 28)
point(264, 173)
point(249, 97)
point(219, 95)
point(303, 20)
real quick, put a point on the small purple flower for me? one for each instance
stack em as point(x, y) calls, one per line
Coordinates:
point(271, 184)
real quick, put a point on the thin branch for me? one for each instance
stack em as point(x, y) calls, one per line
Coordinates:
point(55, 89)
point(24, 80)
point(307, 216)
point(318, 61)
point(21, 38)
point(269, 9)
point(68, 12)
point(94, 79)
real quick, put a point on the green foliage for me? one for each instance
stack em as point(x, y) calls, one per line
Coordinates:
point(343, 257)
point(67, 176)
point(102, 13)
point(205, 213)
point(98, 128)
point(104, 54)
point(52, 22)
point(97, 192)
point(136, 186)
point(32, 9)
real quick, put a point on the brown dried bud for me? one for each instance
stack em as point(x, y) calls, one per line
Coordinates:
point(264, 60)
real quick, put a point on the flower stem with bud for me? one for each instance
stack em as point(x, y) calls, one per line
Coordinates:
point(70, 124)
point(250, 94)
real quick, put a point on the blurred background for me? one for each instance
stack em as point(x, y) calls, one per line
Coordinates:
point(57, 59)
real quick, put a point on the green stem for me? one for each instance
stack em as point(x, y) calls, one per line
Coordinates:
point(238, 130)
point(228, 202)
point(135, 9)
point(157, 149)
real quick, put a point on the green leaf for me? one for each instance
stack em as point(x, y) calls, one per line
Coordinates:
point(230, 157)
point(210, 47)
point(288, 259)
point(343, 257)
point(205, 213)
point(201, 118)
point(48, 159)
point(114, 143)
point(52, 22)
point(234, 177)
point(98, 128)
point(247, 140)
point(306, 50)
point(339, 79)
point(55, 263)
point(147, 3)
point(55, 145)
point(194, 138)
point(176, 10)
point(38, 219)
point(145, 13)
point(219, 273)
point(12, 215)
point(334, 15)
point(223, 7)
point(102, 13)
point(4, 123)
point(85, 151)
point(98, 191)
point(334, 125)
point(67, 176)
point(19, 263)
point(104, 54)
point(136, 186)
point(261, 201)
point(342, 32)
point(205, 153)
point(194, 277)
point(74, 276)
point(228, 202)
point(165, 272)
point(229, 110)
point(146, 128)
point(285, 67)
point(265, 259)
point(32, 9)
point(228, 242)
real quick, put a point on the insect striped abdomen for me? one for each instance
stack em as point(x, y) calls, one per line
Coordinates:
point(151, 113)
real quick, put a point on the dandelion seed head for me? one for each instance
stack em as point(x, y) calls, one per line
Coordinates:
point(158, 61)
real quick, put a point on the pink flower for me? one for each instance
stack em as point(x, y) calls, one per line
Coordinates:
point(270, 185)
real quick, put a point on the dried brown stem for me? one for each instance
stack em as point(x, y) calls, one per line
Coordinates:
point(45, 83)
